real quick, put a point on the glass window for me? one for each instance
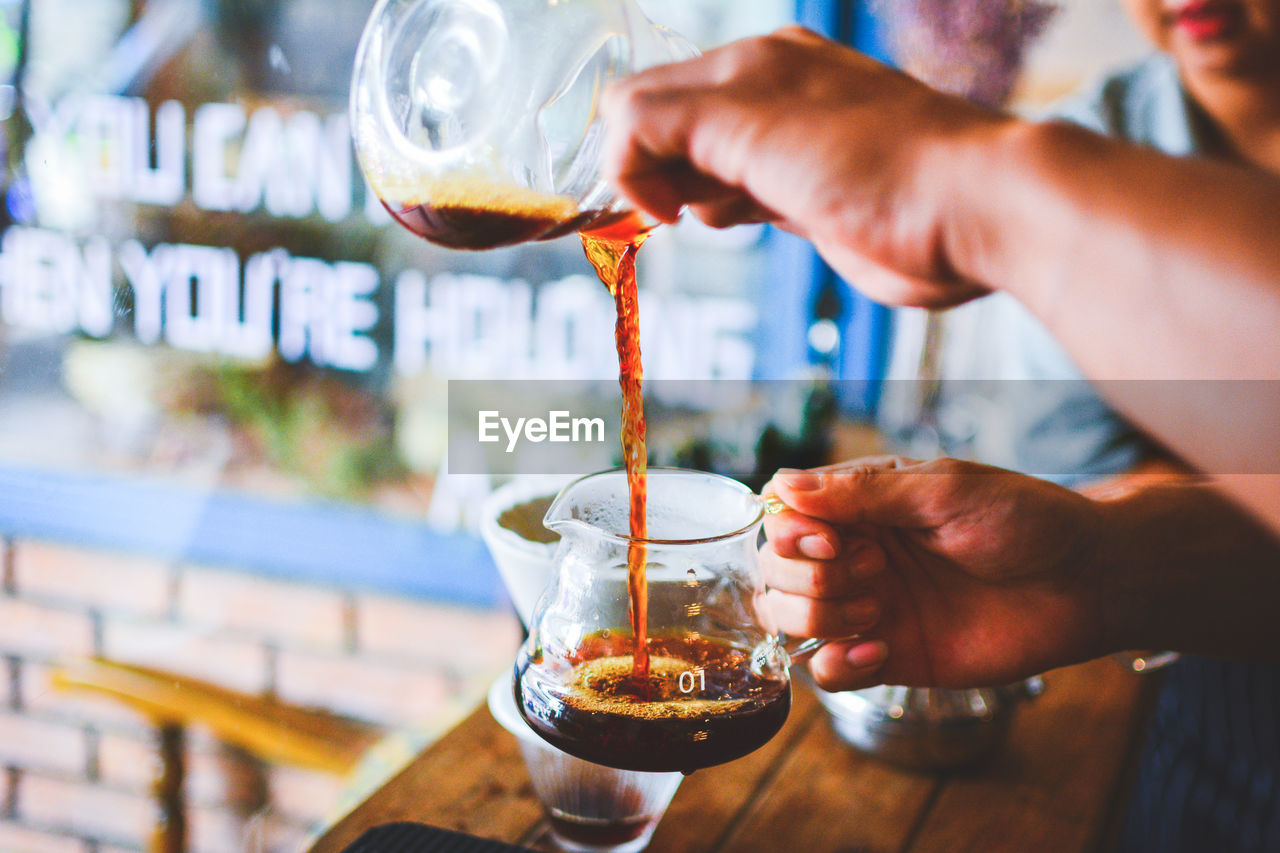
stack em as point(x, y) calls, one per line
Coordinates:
point(223, 406)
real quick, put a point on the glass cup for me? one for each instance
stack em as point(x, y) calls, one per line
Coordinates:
point(477, 122)
point(590, 808)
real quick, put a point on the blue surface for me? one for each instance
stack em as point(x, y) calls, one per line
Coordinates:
point(786, 306)
point(799, 278)
point(314, 542)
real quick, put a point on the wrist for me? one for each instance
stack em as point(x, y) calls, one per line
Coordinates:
point(967, 165)
point(1005, 225)
point(1179, 567)
point(1120, 570)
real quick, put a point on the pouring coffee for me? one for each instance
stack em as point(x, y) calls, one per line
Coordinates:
point(477, 124)
point(718, 683)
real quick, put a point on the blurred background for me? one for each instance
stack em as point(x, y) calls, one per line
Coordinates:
point(223, 398)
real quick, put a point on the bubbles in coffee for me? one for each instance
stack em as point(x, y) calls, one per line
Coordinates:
point(702, 704)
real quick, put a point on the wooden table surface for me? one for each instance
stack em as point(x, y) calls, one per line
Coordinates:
point(1058, 784)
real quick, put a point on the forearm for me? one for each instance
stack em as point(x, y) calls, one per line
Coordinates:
point(1182, 568)
point(1125, 253)
point(1145, 267)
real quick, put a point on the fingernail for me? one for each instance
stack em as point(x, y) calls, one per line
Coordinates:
point(867, 655)
point(801, 481)
point(861, 613)
point(816, 547)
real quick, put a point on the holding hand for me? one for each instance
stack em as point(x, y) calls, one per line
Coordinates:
point(953, 574)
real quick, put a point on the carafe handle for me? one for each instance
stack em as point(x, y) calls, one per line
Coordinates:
point(793, 650)
point(800, 648)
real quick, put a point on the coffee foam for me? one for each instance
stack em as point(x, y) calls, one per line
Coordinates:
point(592, 680)
point(474, 194)
point(398, 182)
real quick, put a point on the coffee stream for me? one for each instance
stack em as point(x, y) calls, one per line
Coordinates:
point(612, 251)
point(475, 215)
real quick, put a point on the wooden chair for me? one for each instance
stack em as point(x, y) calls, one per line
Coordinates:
point(272, 731)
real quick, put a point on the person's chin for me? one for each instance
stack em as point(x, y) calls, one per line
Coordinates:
point(1225, 55)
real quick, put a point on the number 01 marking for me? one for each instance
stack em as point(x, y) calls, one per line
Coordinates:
point(691, 678)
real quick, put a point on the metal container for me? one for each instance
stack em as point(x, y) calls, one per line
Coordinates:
point(927, 728)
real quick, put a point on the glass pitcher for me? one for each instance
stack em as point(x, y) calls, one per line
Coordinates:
point(477, 122)
point(718, 685)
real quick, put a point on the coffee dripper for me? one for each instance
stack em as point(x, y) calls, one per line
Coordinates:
point(477, 122)
point(719, 683)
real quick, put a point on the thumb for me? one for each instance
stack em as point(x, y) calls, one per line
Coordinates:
point(887, 492)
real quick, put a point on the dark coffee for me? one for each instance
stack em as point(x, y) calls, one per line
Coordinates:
point(504, 222)
point(701, 704)
point(461, 227)
point(594, 822)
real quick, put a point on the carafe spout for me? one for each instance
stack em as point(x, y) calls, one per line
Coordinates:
point(563, 516)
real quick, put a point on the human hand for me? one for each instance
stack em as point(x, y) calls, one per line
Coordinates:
point(953, 574)
point(799, 131)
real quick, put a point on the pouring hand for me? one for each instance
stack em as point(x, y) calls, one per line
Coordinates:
point(954, 574)
point(814, 137)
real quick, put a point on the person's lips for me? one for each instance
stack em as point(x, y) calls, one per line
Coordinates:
point(1208, 19)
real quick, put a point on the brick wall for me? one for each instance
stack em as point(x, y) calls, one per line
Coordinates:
point(75, 771)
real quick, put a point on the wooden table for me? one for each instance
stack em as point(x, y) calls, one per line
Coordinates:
point(1059, 784)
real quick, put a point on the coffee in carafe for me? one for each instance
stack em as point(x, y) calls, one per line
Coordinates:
point(700, 705)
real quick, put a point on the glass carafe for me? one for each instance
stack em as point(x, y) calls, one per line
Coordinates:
point(718, 684)
point(477, 122)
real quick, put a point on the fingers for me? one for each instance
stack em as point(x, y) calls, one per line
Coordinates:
point(735, 209)
point(677, 134)
point(883, 491)
point(801, 132)
point(645, 148)
point(651, 121)
point(818, 571)
point(849, 666)
point(801, 616)
point(795, 534)
point(818, 574)
point(859, 563)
